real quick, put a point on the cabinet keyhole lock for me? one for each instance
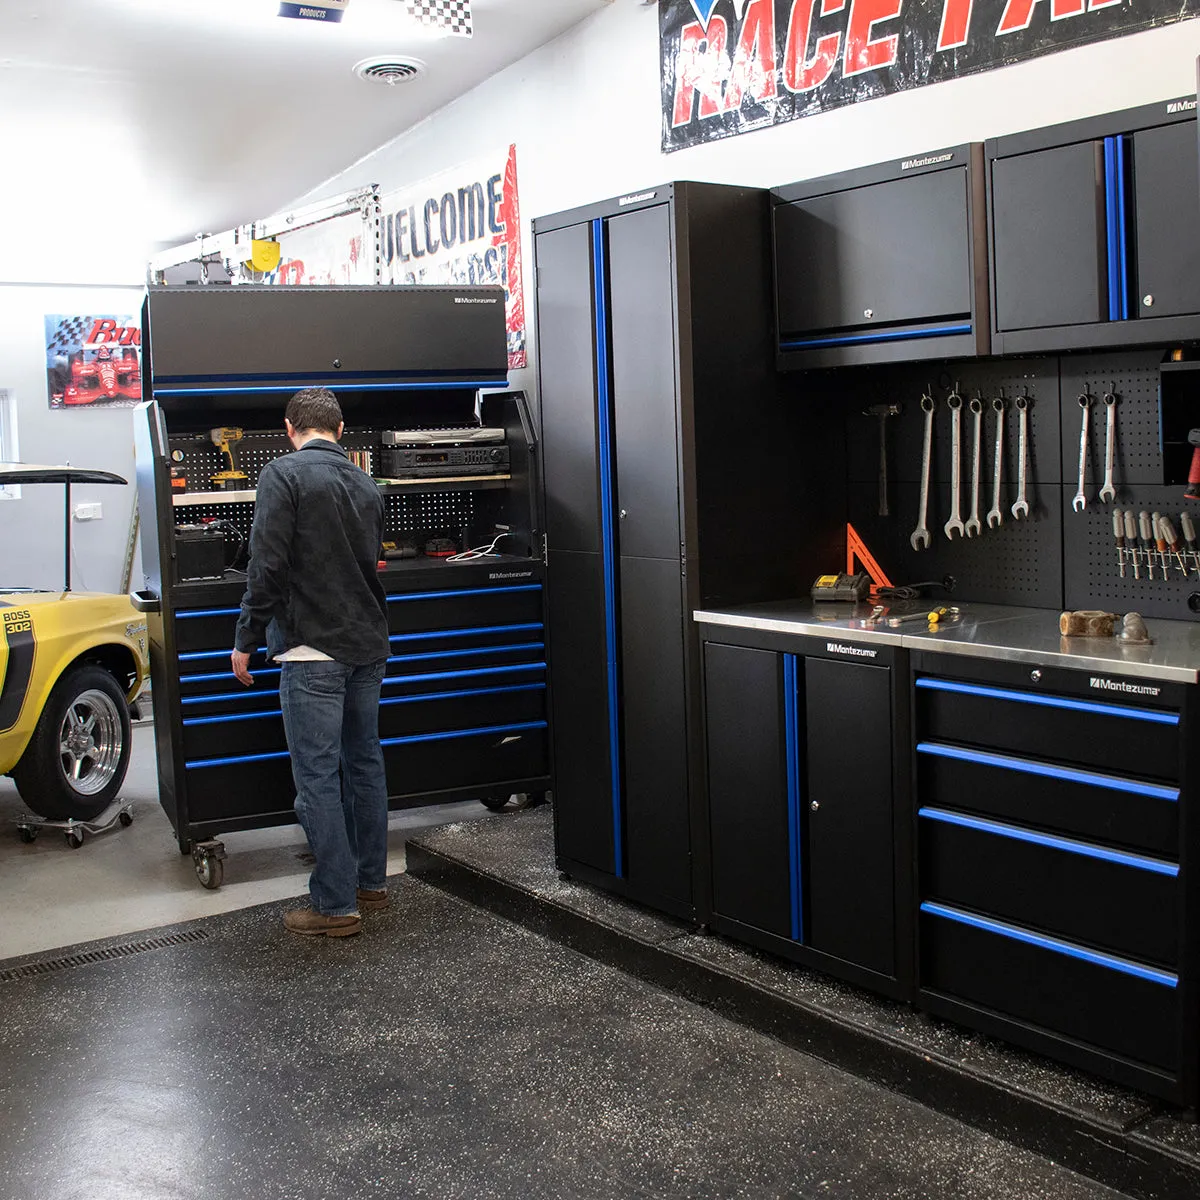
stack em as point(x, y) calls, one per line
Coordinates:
point(1148, 300)
point(1035, 675)
point(622, 514)
point(868, 313)
point(337, 363)
point(816, 804)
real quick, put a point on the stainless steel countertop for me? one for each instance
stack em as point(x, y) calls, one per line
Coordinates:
point(982, 631)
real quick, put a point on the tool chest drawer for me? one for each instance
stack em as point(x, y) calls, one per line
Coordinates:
point(442, 608)
point(1050, 726)
point(1089, 893)
point(1106, 1002)
point(1134, 814)
point(458, 758)
point(234, 787)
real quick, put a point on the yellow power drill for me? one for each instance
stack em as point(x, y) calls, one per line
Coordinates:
point(231, 480)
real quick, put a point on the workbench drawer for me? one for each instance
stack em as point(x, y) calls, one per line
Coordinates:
point(222, 694)
point(1132, 813)
point(464, 758)
point(200, 629)
point(223, 735)
point(1100, 1000)
point(441, 608)
point(1108, 899)
point(1129, 739)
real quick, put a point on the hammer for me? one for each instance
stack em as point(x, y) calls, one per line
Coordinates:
point(883, 411)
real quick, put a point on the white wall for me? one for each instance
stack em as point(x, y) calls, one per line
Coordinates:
point(584, 112)
point(31, 538)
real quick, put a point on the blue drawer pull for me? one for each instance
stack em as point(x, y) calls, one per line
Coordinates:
point(398, 597)
point(474, 652)
point(219, 696)
point(856, 339)
point(473, 673)
point(476, 631)
point(188, 614)
point(219, 675)
point(1029, 767)
point(198, 764)
point(1126, 859)
point(1108, 710)
point(1111, 961)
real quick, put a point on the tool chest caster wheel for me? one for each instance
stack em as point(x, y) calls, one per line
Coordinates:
point(74, 840)
point(494, 803)
point(26, 834)
point(208, 859)
point(126, 819)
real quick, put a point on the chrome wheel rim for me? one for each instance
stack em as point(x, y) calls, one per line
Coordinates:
point(89, 742)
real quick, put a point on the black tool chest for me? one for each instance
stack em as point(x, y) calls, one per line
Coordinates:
point(463, 711)
point(1053, 855)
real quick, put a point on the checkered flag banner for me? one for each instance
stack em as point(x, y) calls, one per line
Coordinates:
point(69, 334)
point(450, 16)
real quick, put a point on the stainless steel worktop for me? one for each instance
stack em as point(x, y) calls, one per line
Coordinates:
point(982, 631)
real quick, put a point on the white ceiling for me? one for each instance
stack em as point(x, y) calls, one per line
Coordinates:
point(128, 125)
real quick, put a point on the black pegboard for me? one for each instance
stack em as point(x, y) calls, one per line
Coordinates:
point(1018, 563)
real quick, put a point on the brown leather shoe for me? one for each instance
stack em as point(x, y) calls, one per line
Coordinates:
point(371, 900)
point(314, 924)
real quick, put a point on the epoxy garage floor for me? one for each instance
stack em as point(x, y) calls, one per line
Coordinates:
point(443, 1053)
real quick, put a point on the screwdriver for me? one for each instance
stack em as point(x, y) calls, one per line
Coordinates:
point(1172, 540)
point(1131, 533)
point(1119, 536)
point(1189, 536)
point(1146, 539)
point(1160, 541)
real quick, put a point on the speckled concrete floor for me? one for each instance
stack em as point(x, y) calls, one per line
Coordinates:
point(444, 1053)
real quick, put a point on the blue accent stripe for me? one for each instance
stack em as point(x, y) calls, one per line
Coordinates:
point(1031, 767)
point(1108, 710)
point(273, 390)
point(1122, 230)
point(473, 652)
point(859, 339)
point(256, 716)
point(197, 655)
point(791, 729)
point(289, 376)
point(398, 597)
point(219, 675)
point(256, 694)
point(474, 673)
point(189, 614)
point(1070, 845)
point(1111, 961)
point(1111, 186)
point(608, 537)
point(476, 631)
point(197, 764)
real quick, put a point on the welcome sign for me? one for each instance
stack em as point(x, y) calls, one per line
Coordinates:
point(730, 66)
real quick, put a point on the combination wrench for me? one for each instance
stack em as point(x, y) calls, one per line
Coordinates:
point(954, 524)
point(1085, 405)
point(995, 517)
point(920, 539)
point(1021, 507)
point(973, 526)
point(1108, 493)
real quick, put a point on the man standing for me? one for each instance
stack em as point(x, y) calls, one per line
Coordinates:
point(313, 588)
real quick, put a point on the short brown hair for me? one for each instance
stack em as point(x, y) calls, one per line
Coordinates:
point(316, 409)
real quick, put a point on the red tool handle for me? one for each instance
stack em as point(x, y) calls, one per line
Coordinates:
point(1193, 489)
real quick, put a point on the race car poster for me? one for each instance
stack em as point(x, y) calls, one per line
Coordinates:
point(461, 226)
point(94, 361)
point(732, 66)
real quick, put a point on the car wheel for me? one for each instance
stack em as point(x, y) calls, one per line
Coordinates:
point(75, 762)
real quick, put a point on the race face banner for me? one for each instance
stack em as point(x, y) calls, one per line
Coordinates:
point(462, 226)
point(731, 66)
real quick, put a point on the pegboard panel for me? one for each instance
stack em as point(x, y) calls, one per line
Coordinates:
point(1093, 579)
point(431, 514)
point(201, 459)
point(1133, 377)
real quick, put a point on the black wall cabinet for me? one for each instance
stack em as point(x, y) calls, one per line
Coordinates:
point(806, 811)
point(883, 264)
point(1095, 232)
point(655, 372)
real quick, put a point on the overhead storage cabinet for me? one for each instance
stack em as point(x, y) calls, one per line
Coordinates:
point(1095, 232)
point(658, 405)
point(883, 264)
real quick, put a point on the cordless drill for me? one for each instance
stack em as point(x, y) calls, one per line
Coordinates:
point(231, 480)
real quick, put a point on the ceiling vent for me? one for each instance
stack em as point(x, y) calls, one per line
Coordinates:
point(389, 68)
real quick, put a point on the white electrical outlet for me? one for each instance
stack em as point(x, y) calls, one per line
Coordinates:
point(88, 512)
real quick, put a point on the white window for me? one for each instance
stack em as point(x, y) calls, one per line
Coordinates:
point(8, 440)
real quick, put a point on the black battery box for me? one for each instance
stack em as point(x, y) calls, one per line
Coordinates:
point(199, 553)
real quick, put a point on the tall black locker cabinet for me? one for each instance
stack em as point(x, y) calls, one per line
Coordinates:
point(653, 372)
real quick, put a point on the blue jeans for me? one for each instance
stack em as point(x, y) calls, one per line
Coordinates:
point(331, 716)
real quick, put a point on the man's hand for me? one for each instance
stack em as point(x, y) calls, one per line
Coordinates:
point(241, 667)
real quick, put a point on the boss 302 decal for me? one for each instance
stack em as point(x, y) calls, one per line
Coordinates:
point(731, 66)
point(18, 634)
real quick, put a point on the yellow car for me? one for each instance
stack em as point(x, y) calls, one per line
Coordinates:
point(71, 664)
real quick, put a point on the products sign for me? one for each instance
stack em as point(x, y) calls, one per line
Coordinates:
point(731, 66)
point(93, 362)
point(461, 227)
